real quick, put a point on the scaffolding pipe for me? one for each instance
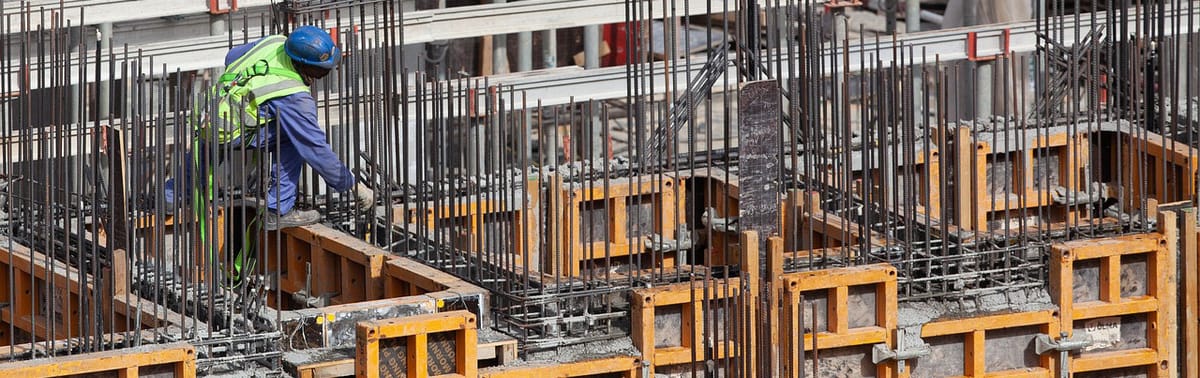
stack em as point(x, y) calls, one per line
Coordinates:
point(524, 51)
point(102, 101)
point(550, 49)
point(499, 50)
point(591, 46)
point(912, 16)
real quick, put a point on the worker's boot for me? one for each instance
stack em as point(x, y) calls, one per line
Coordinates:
point(294, 218)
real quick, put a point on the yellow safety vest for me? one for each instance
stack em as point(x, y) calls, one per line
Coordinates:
point(262, 74)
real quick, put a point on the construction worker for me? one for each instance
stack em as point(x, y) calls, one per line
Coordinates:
point(264, 102)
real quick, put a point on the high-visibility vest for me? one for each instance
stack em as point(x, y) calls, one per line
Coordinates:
point(262, 74)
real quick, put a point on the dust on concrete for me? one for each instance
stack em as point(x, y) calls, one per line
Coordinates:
point(581, 352)
point(848, 362)
point(316, 355)
point(488, 335)
point(1009, 301)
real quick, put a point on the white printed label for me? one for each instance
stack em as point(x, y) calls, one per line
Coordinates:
point(1105, 332)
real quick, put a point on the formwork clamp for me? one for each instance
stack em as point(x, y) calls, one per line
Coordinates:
point(718, 224)
point(881, 352)
point(1042, 344)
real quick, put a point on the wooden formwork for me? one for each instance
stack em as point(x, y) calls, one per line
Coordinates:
point(855, 308)
point(1189, 250)
point(667, 322)
point(807, 229)
point(423, 346)
point(1168, 173)
point(720, 200)
point(498, 223)
point(148, 227)
point(176, 360)
point(1012, 172)
point(325, 262)
point(619, 366)
point(358, 272)
point(403, 277)
point(1020, 173)
point(610, 219)
point(1121, 291)
point(46, 297)
point(998, 345)
point(923, 173)
point(369, 282)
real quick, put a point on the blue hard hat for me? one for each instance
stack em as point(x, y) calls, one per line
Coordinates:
point(312, 46)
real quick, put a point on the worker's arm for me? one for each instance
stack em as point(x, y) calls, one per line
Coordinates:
point(297, 115)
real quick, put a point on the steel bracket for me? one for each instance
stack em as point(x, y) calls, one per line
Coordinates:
point(973, 46)
point(660, 243)
point(719, 224)
point(214, 7)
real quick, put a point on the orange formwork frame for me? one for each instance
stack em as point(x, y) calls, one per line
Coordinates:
point(472, 214)
point(1157, 304)
point(360, 272)
point(690, 297)
point(1074, 155)
point(802, 214)
point(326, 261)
point(975, 331)
point(975, 202)
point(408, 283)
point(180, 358)
point(369, 281)
point(570, 242)
point(571, 245)
point(30, 305)
point(837, 283)
point(411, 355)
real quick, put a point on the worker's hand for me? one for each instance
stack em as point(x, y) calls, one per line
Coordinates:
point(364, 197)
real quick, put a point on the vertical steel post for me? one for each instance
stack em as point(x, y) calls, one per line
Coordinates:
point(591, 46)
point(102, 103)
point(912, 16)
point(499, 50)
point(524, 51)
point(550, 48)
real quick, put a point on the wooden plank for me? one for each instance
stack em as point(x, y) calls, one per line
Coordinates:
point(750, 263)
point(984, 323)
point(1166, 340)
point(857, 336)
point(1114, 360)
point(1191, 300)
point(1110, 279)
point(965, 154)
point(774, 291)
point(181, 355)
point(1062, 263)
point(975, 364)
